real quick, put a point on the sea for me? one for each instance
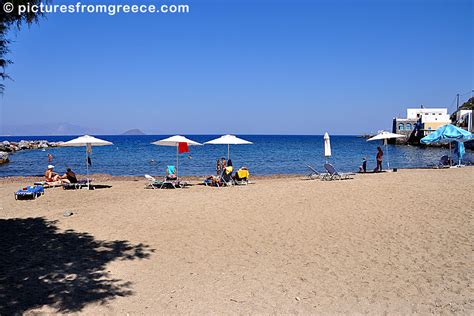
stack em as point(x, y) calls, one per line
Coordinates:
point(268, 155)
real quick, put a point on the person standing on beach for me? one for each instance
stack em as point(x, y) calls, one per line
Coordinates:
point(379, 159)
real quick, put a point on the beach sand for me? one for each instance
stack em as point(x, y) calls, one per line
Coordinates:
point(381, 243)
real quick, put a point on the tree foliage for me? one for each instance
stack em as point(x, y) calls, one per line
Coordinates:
point(468, 105)
point(9, 21)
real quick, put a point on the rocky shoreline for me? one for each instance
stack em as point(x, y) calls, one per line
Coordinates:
point(7, 147)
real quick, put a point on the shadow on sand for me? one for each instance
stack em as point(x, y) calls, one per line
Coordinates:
point(41, 265)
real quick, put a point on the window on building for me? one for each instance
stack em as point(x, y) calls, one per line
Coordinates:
point(401, 127)
point(408, 127)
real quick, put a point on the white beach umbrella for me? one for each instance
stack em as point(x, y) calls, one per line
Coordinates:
point(87, 141)
point(383, 135)
point(327, 146)
point(228, 140)
point(174, 141)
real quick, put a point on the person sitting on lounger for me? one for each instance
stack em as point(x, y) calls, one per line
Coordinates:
point(50, 175)
point(226, 177)
point(70, 176)
point(213, 181)
point(171, 173)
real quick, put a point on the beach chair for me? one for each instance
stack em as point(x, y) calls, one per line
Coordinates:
point(226, 177)
point(444, 162)
point(30, 192)
point(333, 174)
point(213, 182)
point(314, 174)
point(165, 184)
point(242, 176)
point(46, 184)
point(80, 184)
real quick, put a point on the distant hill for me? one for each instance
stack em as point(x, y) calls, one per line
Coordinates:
point(50, 129)
point(134, 131)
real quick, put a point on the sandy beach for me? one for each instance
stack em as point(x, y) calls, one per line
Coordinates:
point(396, 243)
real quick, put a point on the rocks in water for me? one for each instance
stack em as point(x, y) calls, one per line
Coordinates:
point(24, 144)
point(10, 147)
point(4, 157)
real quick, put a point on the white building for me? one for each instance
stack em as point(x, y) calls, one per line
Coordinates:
point(429, 114)
point(464, 119)
point(431, 118)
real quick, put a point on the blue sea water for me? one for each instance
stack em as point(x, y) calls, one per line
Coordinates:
point(269, 154)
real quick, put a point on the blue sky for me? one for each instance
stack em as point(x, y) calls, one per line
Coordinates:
point(263, 67)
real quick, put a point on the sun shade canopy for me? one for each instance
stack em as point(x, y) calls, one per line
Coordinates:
point(228, 140)
point(385, 135)
point(175, 140)
point(85, 140)
point(447, 134)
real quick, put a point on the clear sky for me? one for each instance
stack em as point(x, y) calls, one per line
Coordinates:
point(246, 67)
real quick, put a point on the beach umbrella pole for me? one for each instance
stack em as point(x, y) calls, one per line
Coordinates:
point(177, 158)
point(87, 170)
point(388, 157)
point(228, 152)
point(450, 155)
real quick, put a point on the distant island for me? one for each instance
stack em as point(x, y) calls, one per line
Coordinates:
point(134, 131)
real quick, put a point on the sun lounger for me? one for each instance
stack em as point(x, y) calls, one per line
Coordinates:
point(212, 182)
point(314, 174)
point(333, 174)
point(29, 193)
point(242, 176)
point(444, 162)
point(226, 177)
point(165, 184)
point(46, 184)
point(78, 185)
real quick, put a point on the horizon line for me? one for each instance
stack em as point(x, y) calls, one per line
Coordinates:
point(193, 134)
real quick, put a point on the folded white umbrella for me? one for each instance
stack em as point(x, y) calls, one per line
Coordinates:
point(87, 141)
point(174, 141)
point(327, 146)
point(383, 135)
point(228, 140)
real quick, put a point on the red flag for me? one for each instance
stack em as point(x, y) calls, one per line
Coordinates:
point(183, 148)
